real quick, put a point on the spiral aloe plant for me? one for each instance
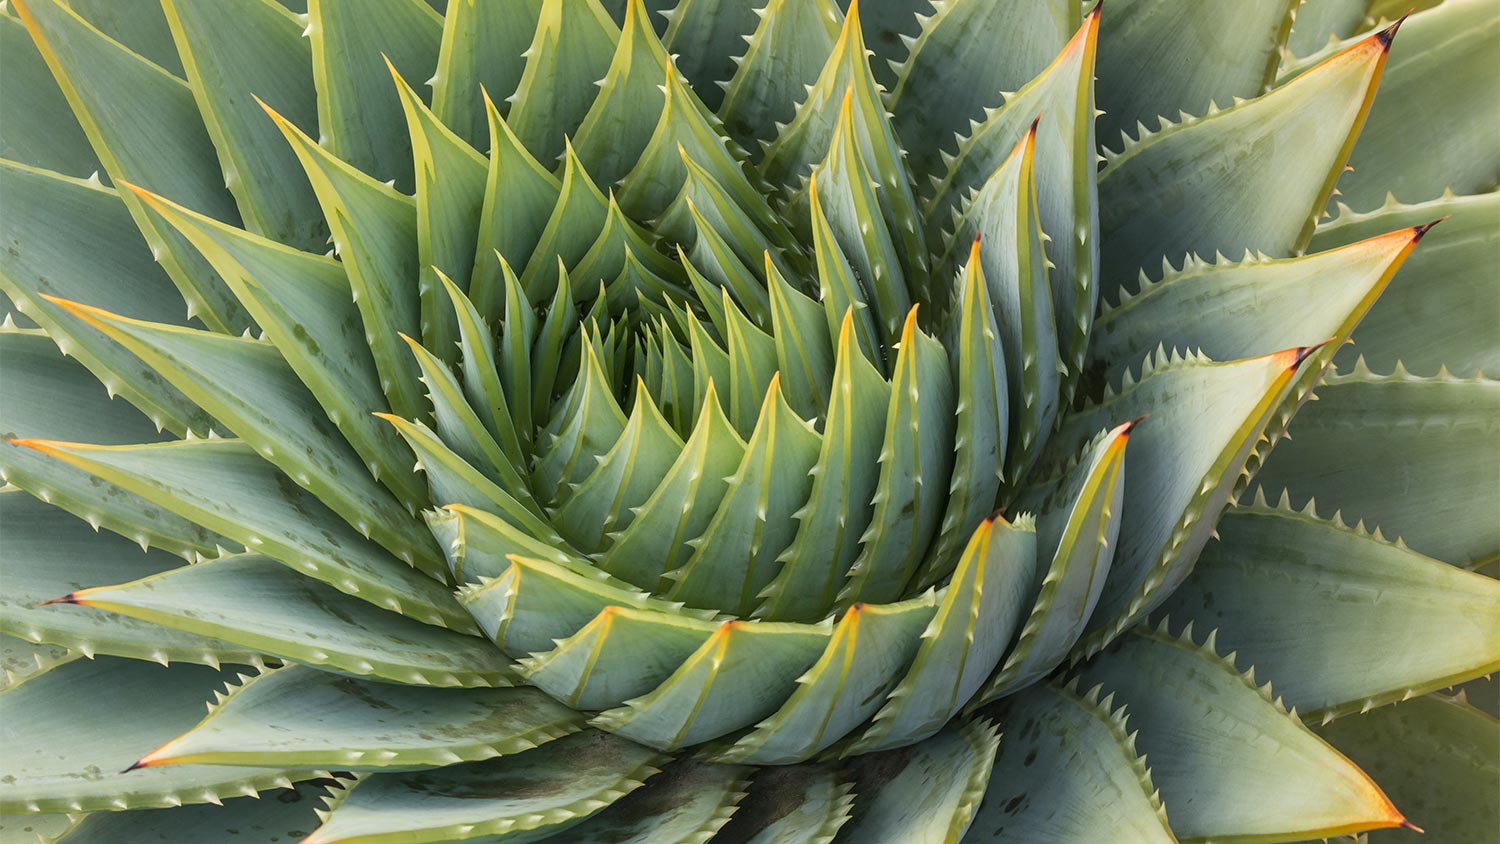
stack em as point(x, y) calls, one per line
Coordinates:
point(759, 423)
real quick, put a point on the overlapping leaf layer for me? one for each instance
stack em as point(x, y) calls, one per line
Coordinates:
point(627, 421)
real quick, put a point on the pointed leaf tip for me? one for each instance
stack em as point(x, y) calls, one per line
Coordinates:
point(1419, 232)
point(1387, 35)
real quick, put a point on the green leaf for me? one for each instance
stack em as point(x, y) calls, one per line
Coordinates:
point(52, 767)
point(791, 44)
point(1231, 764)
point(454, 480)
point(804, 354)
point(75, 239)
point(1078, 528)
point(303, 303)
point(45, 394)
point(298, 716)
point(1059, 103)
point(871, 648)
point(1005, 216)
point(50, 553)
point(1068, 771)
point(1409, 455)
point(279, 815)
point(1427, 131)
point(927, 791)
point(575, 222)
point(687, 802)
point(915, 460)
point(623, 653)
point(1217, 184)
point(481, 56)
point(1285, 589)
point(36, 126)
point(1230, 310)
point(570, 51)
point(977, 613)
point(1432, 755)
point(682, 505)
point(450, 178)
point(1320, 21)
point(353, 42)
point(981, 422)
point(225, 486)
point(605, 502)
point(843, 483)
point(1215, 54)
point(257, 602)
point(145, 127)
point(479, 366)
point(34, 828)
point(1435, 313)
point(586, 425)
point(375, 234)
point(709, 35)
point(21, 660)
point(736, 555)
point(263, 56)
point(459, 428)
point(737, 677)
point(247, 386)
point(952, 74)
point(620, 122)
point(139, 26)
point(1182, 467)
point(513, 799)
point(792, 804)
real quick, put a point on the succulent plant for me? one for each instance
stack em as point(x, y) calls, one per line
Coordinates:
point(717, 421)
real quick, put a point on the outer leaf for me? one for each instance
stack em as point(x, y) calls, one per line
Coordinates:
point(375, 233)
point(1409, 455)
point(1431, 754)
point(619, 123)
point(1181, 469)
point(1215, 183)
point(481, 56)
point(145, 127)
point(224, 485)
point(513, 799)
point(1068, 771)
point(246, 385)
point(926, 793)
point(45, 394)
point(75, 239)
point(36, 126)
point(1435, 313)
point(786, 53)
point(1230, 763)
point(708, 35)
point(570, 51)
point(793, 804)
point(352, 43)
point(50, 553)
point(1235, 310)
point(263, 56)
point(1286, 589)
point(688, 802)
point(299, 299)
point(1218, 54)
point(147, 704)
point(279, 815)
point(952, 75)
point(298, 716)
point(1438, 100)
point(256, 602)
